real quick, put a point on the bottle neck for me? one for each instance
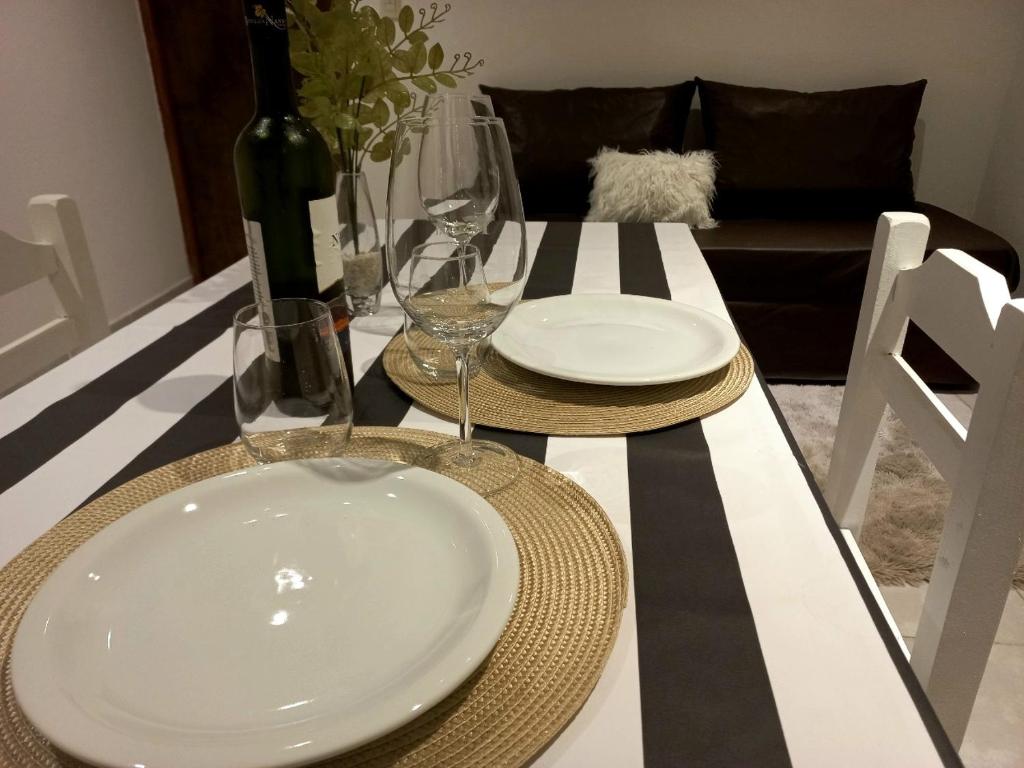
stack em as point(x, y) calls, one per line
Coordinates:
point(267, 28)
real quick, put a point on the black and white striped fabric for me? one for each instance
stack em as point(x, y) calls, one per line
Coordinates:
point(750, 637)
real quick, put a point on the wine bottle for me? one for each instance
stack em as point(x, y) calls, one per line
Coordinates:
point(286, 183)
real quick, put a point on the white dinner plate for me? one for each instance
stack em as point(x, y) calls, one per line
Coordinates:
point(267, 617)
point(615, 339)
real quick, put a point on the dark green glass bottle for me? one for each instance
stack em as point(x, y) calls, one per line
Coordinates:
point(286, 182)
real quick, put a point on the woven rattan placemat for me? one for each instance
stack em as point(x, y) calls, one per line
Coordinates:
point(506, 396)
point(572, 589)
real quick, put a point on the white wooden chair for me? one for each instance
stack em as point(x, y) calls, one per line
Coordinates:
point(965, 308)
point(60, 255)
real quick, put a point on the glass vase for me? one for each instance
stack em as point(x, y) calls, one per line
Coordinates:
point(360, 245)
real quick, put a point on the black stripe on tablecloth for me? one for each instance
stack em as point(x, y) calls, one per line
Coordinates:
point(554, 266)
point(705, 695)
point(60, 424)
point(943, 745)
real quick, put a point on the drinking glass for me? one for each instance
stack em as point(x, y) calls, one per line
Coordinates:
point(292, 396)
point(463, 269)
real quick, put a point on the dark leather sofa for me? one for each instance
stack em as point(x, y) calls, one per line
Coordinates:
point(792, 273)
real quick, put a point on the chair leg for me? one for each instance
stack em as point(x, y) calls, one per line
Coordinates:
point(854, 454)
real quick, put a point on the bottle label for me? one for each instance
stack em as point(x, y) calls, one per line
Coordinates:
point(323, 219)
point(260, 282)
point(261, 16)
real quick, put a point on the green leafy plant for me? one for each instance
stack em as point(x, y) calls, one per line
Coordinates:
point(360, 71)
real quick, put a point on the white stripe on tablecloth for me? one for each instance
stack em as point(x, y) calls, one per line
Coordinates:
point(597, 263)
point(23, 404)
point(607, 731)
point(828, 666)
point(67, 479)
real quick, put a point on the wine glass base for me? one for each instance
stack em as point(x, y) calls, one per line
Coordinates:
point(487, 468)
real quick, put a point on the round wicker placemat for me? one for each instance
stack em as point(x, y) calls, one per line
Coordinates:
point(573, 587)
point(506, 396)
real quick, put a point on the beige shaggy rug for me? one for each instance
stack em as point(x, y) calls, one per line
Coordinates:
point(908, 497)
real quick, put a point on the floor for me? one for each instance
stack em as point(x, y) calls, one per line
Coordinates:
point(995, 736)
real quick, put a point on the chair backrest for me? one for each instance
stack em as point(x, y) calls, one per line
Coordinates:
point(59, 254)
point(966, 309)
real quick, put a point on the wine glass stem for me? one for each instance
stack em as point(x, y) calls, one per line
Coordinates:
point(465, 424)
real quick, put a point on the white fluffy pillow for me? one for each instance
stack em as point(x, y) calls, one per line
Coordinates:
point(653, 186)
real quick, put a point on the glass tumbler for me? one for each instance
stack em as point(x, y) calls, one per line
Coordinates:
point(292, 396)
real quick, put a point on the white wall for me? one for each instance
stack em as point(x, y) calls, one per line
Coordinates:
point(80, 117)
point(965, 48)
point(1001, 203)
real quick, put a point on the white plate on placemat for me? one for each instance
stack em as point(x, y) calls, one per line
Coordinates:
point(615, 339)
point(267, 617)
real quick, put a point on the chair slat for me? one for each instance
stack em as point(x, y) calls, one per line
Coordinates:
point(930, 422)
point(963, 321)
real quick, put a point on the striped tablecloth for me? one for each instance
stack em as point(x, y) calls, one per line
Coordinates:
point(750, 637)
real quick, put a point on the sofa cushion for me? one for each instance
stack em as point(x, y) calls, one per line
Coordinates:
point(830, 154)
point(653, 186)
point(554, 133)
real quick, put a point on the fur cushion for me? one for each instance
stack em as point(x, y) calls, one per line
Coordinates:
point(653, 186)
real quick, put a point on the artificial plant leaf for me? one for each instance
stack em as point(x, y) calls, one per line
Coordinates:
point(353, 86)
point(402, 62)
point(387, 28)
point(381, 113)
point(297, 40)
point(436, 56)
point(399, 98)
point(319, 105)
point(425, 84)
point(369, 13)
point(305, 63)
point(312, 87)
point(380, 153)
point(446, 80)
point(406, 18)
point(418, 57)
point(345, 121)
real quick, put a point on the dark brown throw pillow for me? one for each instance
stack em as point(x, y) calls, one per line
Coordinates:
point(554, 133)
point(830, 154)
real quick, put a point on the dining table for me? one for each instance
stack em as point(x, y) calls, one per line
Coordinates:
point(750, 635)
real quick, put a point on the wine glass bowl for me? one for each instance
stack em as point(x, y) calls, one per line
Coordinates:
point(448, 295)
point(458, 181)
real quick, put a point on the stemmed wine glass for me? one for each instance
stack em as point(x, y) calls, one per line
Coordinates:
point(459, 278)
